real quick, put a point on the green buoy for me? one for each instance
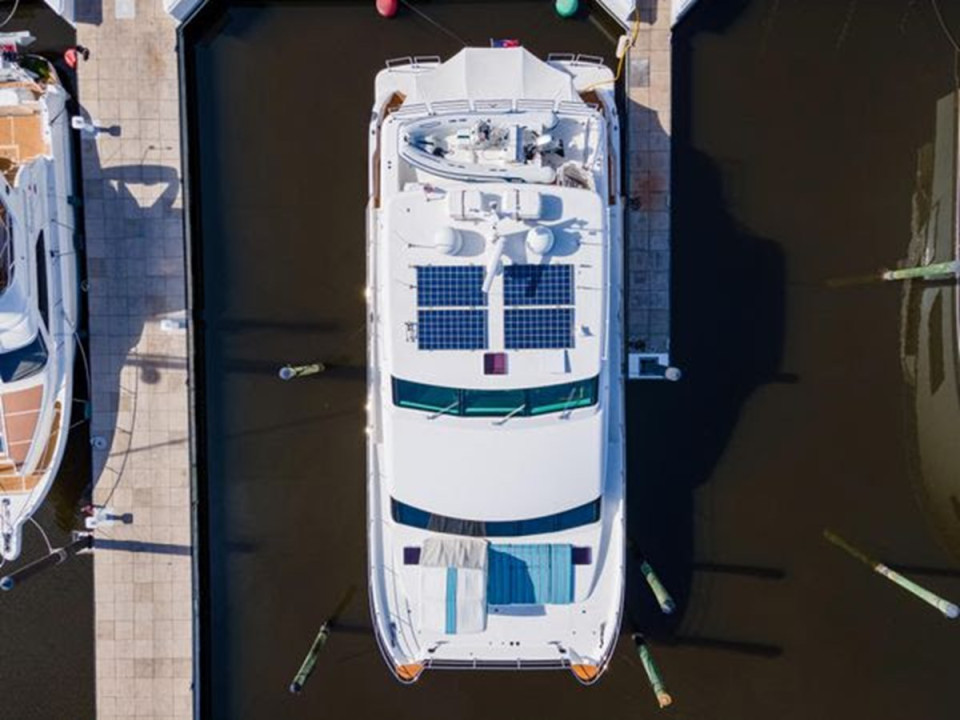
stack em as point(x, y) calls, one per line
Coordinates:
point(566, 8)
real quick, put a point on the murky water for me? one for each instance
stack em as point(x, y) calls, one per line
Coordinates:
point(796, 130)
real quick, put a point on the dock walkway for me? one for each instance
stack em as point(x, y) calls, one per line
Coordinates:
point(648, 191)
point(135, 262)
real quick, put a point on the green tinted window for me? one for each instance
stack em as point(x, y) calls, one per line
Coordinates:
point(492, 402)
point(560, 398)
point(425, 397)
point(495, 403)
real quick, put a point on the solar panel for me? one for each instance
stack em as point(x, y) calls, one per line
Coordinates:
point(538, 329)
point(446, 286)
point(538, 285)
point(452, 329)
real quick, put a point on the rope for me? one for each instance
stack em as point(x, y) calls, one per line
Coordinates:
point(437, 25)
point(42, 533)
point(620, 63)
point(9, 17)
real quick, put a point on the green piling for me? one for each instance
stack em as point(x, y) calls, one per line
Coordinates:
point(660, 592)
point(949, 609)
point(310, 661)
point(933, 271)
point(289, 372)
point(653, 675)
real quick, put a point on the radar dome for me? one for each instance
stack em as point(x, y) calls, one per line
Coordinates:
point(540, 240)
point(448, 240)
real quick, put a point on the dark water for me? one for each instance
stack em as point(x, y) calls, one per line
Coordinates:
point(796, 126)
point(47, 624)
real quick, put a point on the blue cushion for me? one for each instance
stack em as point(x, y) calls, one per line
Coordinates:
point(530, 574)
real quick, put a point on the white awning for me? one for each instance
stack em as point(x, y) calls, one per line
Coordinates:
point(493, 74)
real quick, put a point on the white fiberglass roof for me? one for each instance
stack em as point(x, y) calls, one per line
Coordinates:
point(493, 74)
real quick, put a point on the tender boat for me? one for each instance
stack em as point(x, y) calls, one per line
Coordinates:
point(494, 288)
point(38, 285)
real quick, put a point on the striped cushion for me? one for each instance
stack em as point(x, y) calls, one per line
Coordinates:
point(530, 575)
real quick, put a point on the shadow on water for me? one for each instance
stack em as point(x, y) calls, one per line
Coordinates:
point(728, 315)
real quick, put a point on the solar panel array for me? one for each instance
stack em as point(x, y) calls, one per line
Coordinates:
point(452, 313)
point(452, 329)
point(446, 286)
point(541, 328)
point(538, 285)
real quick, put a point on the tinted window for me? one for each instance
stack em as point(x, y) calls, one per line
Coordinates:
point(424, 397)
point(492, 402)
point(478, 403)
point(43, 300)
point(23, 362)
point(415, 517)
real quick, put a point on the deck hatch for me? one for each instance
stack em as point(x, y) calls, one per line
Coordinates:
point(538, 285)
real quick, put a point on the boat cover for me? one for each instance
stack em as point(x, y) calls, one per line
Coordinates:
point(493, 74)
point(453, 585)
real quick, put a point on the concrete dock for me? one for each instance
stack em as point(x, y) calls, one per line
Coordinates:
point(648, 191)
point(143, 584)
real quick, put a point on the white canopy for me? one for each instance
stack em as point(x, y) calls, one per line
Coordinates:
point(493, 74)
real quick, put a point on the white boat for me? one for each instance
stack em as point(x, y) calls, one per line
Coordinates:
point(495, 449)
point(38, 285)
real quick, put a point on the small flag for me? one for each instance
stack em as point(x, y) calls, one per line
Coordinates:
point(506, 43)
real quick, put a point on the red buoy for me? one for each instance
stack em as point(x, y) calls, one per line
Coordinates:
point(388, 8)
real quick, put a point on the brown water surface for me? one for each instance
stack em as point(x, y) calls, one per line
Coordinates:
point(796, 126)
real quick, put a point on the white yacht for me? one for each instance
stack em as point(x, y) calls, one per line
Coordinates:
point(496, 448)
point(38, 285)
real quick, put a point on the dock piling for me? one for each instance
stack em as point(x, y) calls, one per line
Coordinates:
point(653, 675)
point(55, 557)
point(934, 271)
point(949, 609)
point(660, 592)
point(289, 372)
point(310, 661)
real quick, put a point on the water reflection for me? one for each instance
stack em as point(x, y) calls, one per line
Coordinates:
point(928, 338)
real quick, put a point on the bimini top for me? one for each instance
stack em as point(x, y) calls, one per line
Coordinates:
point(482, 74)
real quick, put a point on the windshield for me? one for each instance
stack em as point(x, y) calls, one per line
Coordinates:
point(23, 362)
point(425, 520)
point(495, 403)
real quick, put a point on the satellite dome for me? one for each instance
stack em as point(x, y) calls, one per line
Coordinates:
point(448, 240)
point(540, 240)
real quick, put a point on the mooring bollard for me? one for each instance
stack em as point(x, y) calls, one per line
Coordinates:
point(924, 272)
point(949, 609)
point(653, 676)
point(663, 597)
point(310, 661)
point(288, 372)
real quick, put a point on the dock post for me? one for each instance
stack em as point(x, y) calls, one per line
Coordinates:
point(949, 609)
point(288, 372)
point(55, 557)
point(934, 271)
point(663, 597)
point(310, 661)
point(653, 676)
